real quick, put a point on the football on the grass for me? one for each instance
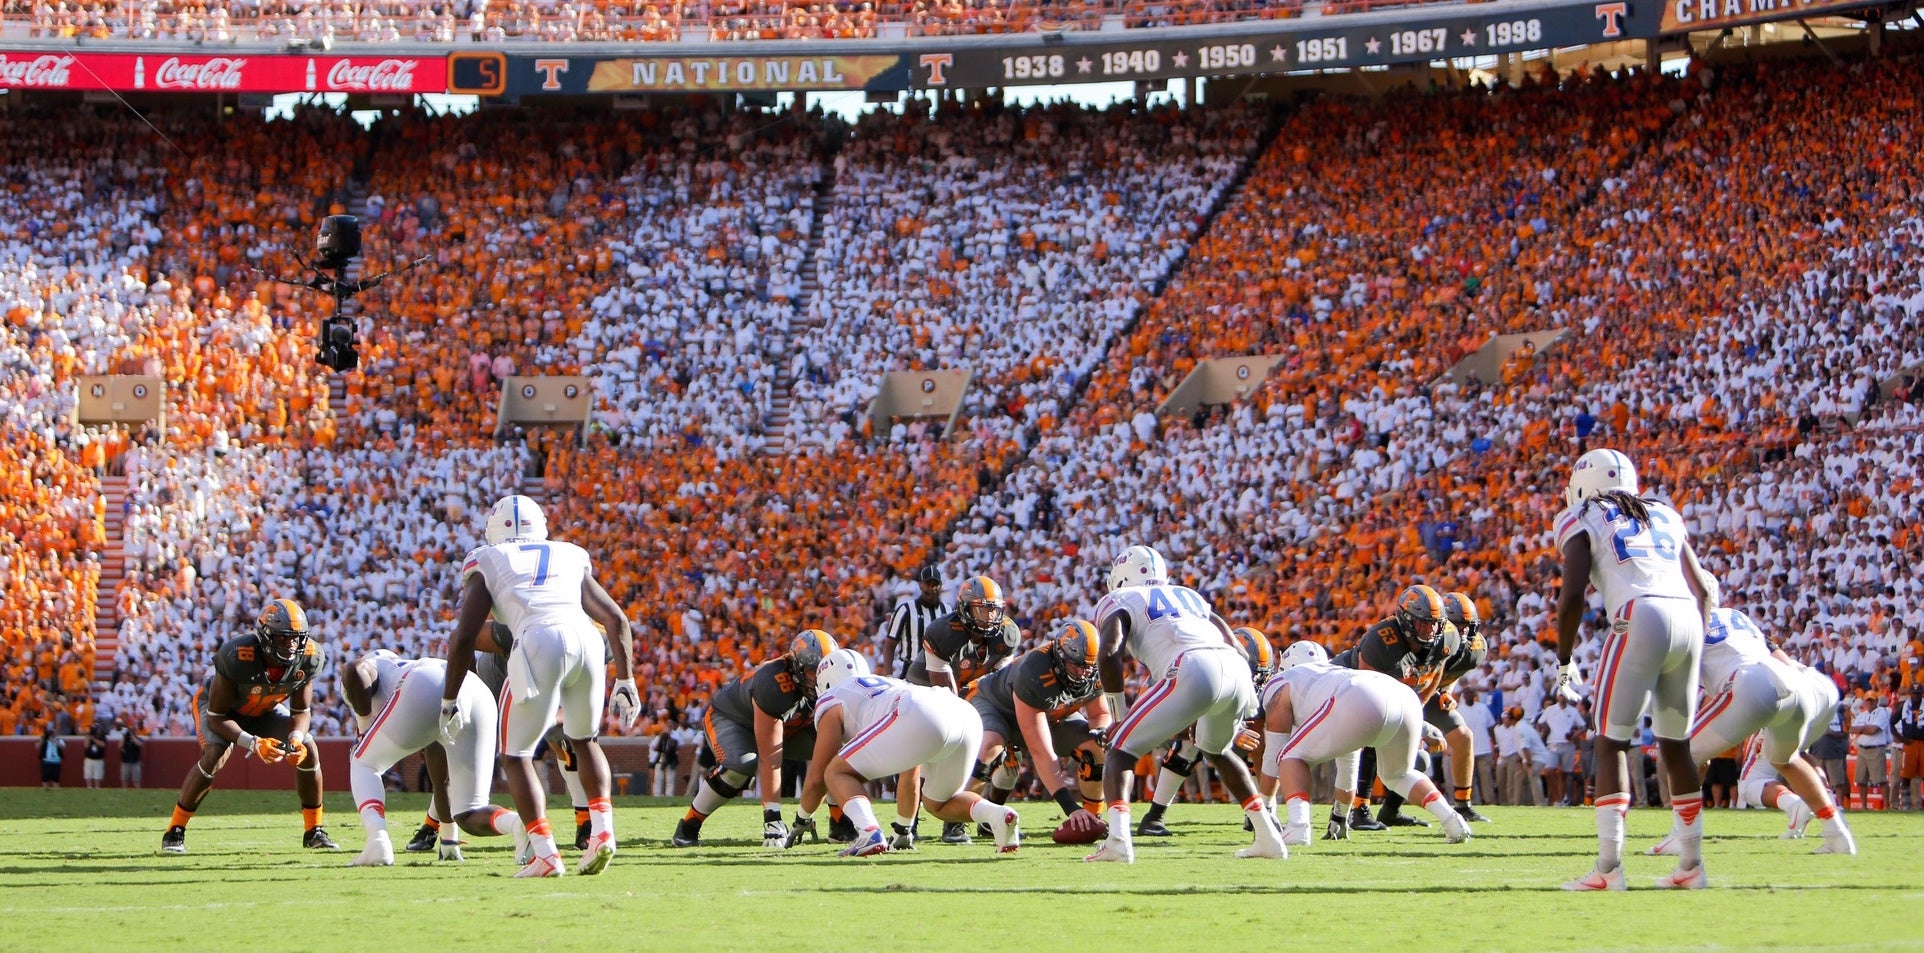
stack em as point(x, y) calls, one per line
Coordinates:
point(1069, 833)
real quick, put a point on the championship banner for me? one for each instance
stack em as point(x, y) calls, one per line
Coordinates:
point(1681, 16)
point(719, 74)
point(264, 73)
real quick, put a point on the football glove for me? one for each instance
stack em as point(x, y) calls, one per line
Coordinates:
point(453, 720)
point(803, 824)
point(775, 835)
point(449, 850)
point(1568, 678)
point(296, 748)
point(1338, 828)
point(626, 702)
point(1433, 738)
point(903, 838)
point(266, 749)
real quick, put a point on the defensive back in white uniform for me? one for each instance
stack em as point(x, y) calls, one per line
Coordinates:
point(1637, 553)
point(544, 591)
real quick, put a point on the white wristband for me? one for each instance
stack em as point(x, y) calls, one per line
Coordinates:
point(246, 743)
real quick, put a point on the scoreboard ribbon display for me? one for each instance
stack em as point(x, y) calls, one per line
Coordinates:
point(1411, 35)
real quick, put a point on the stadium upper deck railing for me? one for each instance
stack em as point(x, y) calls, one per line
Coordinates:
point(603, 21)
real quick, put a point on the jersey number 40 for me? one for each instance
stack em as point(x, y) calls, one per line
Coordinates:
point(1176, 601)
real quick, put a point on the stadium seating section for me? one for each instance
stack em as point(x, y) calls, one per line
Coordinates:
point(1742, 287)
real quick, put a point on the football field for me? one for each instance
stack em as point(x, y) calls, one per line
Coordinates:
point(79, 870)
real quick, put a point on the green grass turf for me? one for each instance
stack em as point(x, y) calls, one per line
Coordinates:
point(79, 870)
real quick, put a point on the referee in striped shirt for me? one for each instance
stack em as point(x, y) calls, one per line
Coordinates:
point(911, 619)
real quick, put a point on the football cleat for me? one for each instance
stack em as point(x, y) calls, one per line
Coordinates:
point(601, 850)
point(449, 850)
point(1838, 843)
point(841, 830)
point(1113, 851)
point(1360, 820)
point(1007, 833)
point(174, 841)
point(1154, 827)
point(379, 852)
point(955, 833)
point(867, 844)
point(903, 837)
point(540, 867)
point(422, 841)
point(687, 833)
point(316, 839)
point(1296, 835)
point(1597, 880)
point(1681, 879)
point(1668, 847)
point(1265, 847)
point(523, 846)
point(582, 830)
point(1800, 817)
point(1468, 813)
point(1456, 830)
point(1400, 819)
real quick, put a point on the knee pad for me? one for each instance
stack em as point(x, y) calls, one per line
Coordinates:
point(726, 783)
point(1088, 766)
point(984, 769)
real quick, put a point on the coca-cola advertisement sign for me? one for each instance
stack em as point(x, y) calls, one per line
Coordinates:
point(36, 71)
point(263, 73)
point(385, 76)
point(219, 74)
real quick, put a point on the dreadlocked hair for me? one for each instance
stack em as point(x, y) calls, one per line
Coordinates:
point(1629, 503)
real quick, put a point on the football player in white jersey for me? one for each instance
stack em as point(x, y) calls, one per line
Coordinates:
point(1314, 712)
point(1659, 597)
point(1201, 680)
point(1750, 687)
point(869, 727)
point(396, 705)
point(545, 592)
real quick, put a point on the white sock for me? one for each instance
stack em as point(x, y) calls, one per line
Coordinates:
point(1439, 807)
point(1260, 822)
point(985, 812)
point(1298, 808)
point(1789, 803)
point(577, 794)
point(1118, 818)
point(543, 845)
point(1688, 816)
point(862, 814)
point(601, 817)
point(374, 817)
point(1611, 809)
point(1167, 784)
point(506, 822)
point(1834, 825)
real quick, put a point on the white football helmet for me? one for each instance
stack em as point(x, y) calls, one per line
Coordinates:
point(516, 517)
point(837, 667)
point(1597, 472)
point(1302, 652)
point(1138, 566)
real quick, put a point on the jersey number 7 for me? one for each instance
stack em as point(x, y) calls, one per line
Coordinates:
point(541, 568)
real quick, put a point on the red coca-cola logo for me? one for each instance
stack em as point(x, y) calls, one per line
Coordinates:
point(44, 72)
point(218, 73)
point(387, 76)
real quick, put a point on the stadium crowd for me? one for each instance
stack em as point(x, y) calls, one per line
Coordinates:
point(1743, 357)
